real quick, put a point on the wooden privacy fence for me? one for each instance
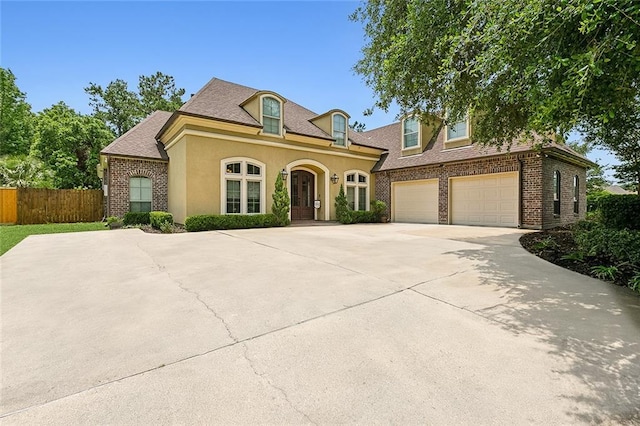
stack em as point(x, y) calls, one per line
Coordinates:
point(8, 205)
point(33, 205)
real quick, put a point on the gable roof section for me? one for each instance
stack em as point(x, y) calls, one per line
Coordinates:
point(389, 138)
point(222, 100)
point(140, 141)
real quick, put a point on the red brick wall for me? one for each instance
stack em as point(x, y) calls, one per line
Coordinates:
point(121, 169)
point(567, 172)
point(532, 184)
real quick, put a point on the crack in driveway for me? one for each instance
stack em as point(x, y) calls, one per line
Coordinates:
point(236, 340)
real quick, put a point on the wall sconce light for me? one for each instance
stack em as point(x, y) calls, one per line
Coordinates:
point(284, 174)
point(334, 179)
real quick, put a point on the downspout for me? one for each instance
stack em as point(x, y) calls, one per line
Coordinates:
point(108, 170)
point(520, 192)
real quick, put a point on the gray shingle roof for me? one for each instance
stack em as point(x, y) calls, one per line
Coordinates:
point(221, 100)
point(389, 138)
point(140, 141)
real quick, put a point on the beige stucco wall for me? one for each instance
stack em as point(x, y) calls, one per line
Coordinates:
point(197, 170)
point(177, 182)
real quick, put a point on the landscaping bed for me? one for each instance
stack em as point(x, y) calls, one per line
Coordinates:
point(559, 246)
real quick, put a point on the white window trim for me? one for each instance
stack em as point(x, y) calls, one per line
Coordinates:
point(243, 177)
point(461, 138)
point(280, 129)
point(410, 148)
point(357, 185)
point(346, 130)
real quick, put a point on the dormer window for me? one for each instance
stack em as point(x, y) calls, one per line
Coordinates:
point(410, 132)
point(340, 129)
point(271, 115)
point(458, 130)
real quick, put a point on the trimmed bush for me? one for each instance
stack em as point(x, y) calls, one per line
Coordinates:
point(212, 222)
point(136, 218)
point(342, 207)
point(281, 202)
point(364, 217)
point(157, 219)
point(620, 211)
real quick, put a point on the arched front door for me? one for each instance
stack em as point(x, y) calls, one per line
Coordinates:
point(302, 190)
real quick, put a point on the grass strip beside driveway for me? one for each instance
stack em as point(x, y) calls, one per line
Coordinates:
point(10, 235)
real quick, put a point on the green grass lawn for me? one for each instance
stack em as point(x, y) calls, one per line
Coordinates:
point(10, 235)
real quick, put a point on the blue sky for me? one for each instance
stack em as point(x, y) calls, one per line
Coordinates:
point(303, 50)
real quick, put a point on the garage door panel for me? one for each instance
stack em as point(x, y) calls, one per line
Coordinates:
point(490, 200)
point(415, 201)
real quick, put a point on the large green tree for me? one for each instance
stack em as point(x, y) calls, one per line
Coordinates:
point(519, 66)
point(115, 105)
point(622, 136)
point(69, 144)
point(159, 92)
point(121, 108)
point(16, 118)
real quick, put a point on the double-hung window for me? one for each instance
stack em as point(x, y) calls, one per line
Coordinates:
point(576, 194)
point(340, 130)
point(556, 192)
point(139, 194)
point(243, 186)
point(410, 132)
point(458, 130)
point(271, 115)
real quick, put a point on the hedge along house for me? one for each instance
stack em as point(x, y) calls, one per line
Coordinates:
point(221, 152)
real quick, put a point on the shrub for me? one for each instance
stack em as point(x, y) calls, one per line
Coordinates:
point(156, 219)
point(617, 246)
point(342, 207)
point(281, 202)
point(212, 222)
point(620, 211)
point(136, 218)
point(379, 208)
point(364, 217)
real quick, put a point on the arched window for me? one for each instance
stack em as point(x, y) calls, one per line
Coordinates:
point(242, 186)
point(340, 129)
point(271, 115)
point(410, 132)
point(556, 192)
point(357, 183)
point(139, 194)
point(576, 194)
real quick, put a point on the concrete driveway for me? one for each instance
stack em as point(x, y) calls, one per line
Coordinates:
point(329, 324)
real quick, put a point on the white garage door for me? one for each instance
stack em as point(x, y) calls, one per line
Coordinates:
point(490, 200)
point(415, 201)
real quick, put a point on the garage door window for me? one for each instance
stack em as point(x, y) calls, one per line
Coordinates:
point(357, 183)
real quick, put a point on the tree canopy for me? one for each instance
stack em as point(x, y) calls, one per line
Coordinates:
point(121, 108)
point(16, 118)
point(69, 144)
point(518, 66)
